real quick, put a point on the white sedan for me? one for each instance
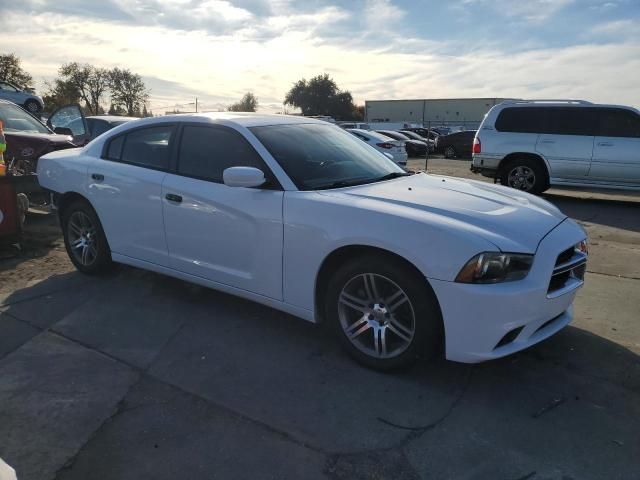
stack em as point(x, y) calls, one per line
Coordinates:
point(302, 216)
point(394, 149)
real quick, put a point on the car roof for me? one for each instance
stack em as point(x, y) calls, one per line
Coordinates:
point(245, 119)
point(112, 118)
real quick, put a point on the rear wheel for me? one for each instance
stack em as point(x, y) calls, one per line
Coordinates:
point(84, 239)
point(384, 313)
point(450, 152)
point(524, 174)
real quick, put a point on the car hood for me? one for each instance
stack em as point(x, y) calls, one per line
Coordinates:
point(514, 221)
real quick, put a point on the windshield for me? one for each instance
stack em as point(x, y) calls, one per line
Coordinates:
point(17, 120)
point(323, 156)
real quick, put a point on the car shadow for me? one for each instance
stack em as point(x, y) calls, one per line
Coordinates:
point(616, 213)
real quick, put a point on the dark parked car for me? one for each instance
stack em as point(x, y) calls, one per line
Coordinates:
point(457, 144)
point(28, 138)
point(415, 136)
point(415, 148)
point(99, 124)
point(423, 132)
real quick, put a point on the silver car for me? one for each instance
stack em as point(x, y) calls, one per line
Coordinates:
point(31, 102)
point(534, 144)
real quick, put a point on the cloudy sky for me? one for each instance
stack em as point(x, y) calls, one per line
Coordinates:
point(218, 49)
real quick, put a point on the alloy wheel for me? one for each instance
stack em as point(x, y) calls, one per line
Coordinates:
point(376, 316)
point(522, 178)
point(82, 238)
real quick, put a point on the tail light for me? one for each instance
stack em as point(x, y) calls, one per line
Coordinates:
point(385, 145)
point(477, 145)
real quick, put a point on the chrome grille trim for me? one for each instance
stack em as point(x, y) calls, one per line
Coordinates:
point(568, 274)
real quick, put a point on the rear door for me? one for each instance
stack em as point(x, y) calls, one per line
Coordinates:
point(566, 140)
point(125, 188)
point(616, 154)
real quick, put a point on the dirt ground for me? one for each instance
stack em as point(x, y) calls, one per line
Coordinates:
point(136, 376)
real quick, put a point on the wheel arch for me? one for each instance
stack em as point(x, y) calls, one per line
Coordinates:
point(67, 198)
point(532, 156)
point(347, 252)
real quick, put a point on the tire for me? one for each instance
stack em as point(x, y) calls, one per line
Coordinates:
point(84, 239)
point(411, 324)
point(450, 152)
point(32, 106)
point(525, 174)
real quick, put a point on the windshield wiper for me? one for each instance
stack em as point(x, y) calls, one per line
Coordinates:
point(364, 181)
point(392, 175)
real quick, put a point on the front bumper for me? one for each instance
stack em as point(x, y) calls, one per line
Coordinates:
point(483, 322)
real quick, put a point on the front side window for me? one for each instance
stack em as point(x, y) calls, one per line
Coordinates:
point(319, 156)
point(205, 152)
point(618, 122)
point(147, 147)
point(7, 87)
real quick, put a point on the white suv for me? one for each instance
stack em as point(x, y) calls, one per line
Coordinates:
point(531, 145)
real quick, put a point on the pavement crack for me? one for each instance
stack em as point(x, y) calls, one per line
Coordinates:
point(612, 275)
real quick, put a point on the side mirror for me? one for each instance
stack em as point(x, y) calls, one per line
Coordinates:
point(243, 177)
point(63, 131)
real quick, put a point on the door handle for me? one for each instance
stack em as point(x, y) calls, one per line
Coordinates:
point(547, 141)
point(605, 144)
point(172, 197)
point(98, 177)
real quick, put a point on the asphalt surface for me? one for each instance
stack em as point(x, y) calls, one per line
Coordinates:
point(138, 376)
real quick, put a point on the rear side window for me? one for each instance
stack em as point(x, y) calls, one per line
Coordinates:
point(205, 152)
point(571, 121)
point(114, 151)
point(521, 120)
point(547, 120)
point(618, 122)
point(146, 147)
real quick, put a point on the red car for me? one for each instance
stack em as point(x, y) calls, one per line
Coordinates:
point(28, 138)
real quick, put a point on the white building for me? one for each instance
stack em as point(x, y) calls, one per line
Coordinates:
point(443, 111)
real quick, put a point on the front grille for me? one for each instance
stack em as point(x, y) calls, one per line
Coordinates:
point(570, 265)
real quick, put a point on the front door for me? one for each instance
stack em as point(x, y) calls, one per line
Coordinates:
point(69, 120)
point(125, 188)
point(230, 235)
point(616, 154)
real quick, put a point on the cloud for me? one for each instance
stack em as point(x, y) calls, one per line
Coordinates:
point(265, 47)
point(528, 10)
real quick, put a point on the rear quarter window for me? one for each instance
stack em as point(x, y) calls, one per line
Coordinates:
point(521, 120)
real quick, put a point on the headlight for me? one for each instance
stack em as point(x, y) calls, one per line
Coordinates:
point(495, 267)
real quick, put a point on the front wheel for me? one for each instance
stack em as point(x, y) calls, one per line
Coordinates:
point(84, 239)
point(384, 312)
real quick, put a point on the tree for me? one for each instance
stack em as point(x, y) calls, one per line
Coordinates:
point(91, 82)
point(11, 70)
point(321, 96)
point(128, 91)
point(60, 93)
point(248, 103)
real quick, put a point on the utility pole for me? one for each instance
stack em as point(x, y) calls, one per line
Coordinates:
point(196, 104)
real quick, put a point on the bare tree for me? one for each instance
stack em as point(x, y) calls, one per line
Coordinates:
point(128, 90)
